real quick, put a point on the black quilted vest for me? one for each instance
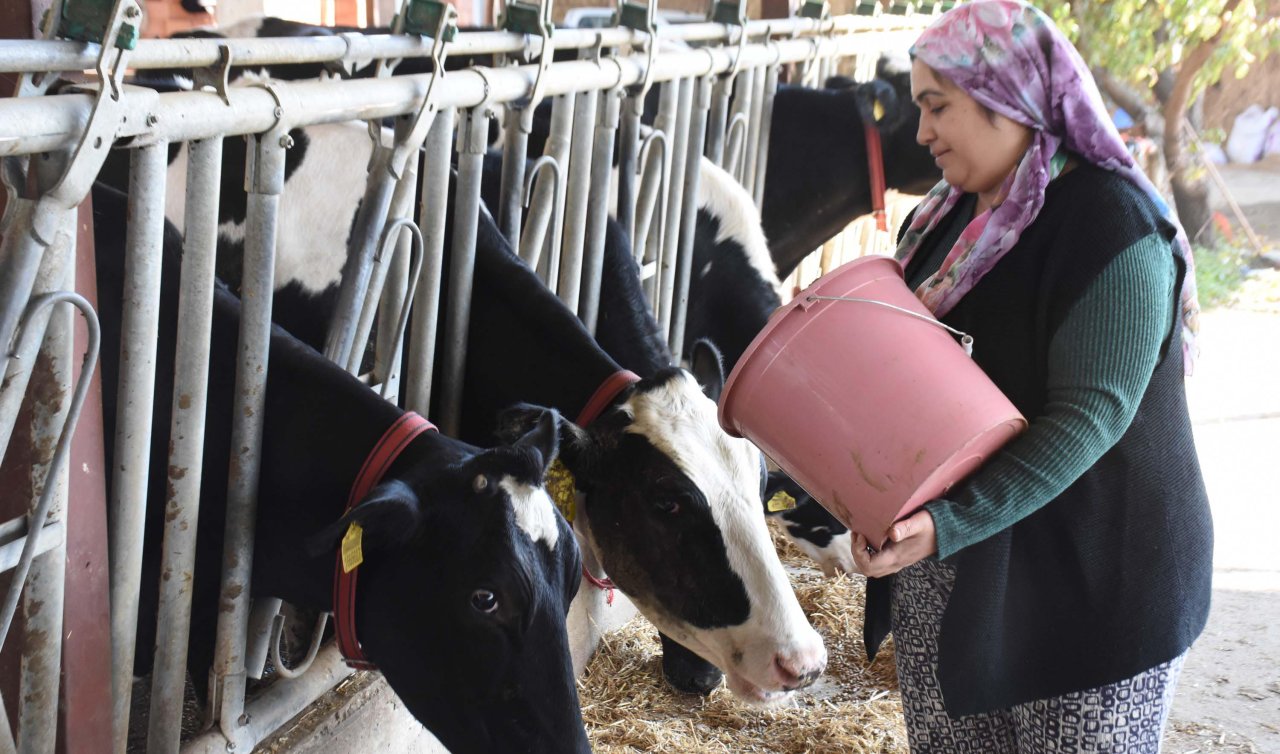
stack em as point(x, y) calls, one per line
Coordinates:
point(1113, 576)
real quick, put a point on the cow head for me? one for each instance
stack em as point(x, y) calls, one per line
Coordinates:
point(467, 577)
point(671, 509)
point(811, 527)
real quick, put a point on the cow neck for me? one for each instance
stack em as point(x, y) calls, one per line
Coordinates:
point(875, 169)
point(601, 399)
point(384, 453)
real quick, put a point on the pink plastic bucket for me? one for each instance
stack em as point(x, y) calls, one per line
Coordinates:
point(871, 409)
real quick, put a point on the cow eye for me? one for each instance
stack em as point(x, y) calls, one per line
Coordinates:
point(480, 483)
point(670, 506)
point(484, 600)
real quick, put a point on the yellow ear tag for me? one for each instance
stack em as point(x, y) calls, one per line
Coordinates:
point(877, 111)
point(562, 489)
point(352, 553)
point(781, 501)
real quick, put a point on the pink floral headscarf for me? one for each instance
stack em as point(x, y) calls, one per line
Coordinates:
point(1010, 57)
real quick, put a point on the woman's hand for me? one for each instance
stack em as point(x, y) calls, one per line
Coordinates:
point(910, 540)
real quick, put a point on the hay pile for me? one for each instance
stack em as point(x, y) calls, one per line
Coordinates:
point(853, 708)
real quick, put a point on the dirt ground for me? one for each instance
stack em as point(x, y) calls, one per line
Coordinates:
point(1229, 697)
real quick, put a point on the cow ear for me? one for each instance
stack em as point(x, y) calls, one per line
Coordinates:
point(878, 103)
point(543, 437)
point(577, 449)
point(707, 368)
point(389, 517)
point(781, 493)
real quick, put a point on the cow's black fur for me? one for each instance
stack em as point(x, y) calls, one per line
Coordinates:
point(817, 179)
point(479, 681)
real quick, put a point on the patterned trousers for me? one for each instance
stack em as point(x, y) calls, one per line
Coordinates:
point(1126, 717)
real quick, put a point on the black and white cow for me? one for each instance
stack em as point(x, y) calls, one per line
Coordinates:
point(629, 333)
point(817, 180)
point(669, 501)
point(732, 292)
point(468, 571)
point(656, 467)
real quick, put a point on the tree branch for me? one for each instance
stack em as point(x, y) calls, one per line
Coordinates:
point(1175, 107)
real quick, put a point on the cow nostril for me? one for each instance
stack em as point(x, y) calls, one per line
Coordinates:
point(791, 680)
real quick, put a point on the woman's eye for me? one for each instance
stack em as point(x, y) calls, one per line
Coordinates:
point(670, 507)
point(937, 110)
point(484, 600)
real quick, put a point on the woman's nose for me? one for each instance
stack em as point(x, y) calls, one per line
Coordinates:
point(924, 132)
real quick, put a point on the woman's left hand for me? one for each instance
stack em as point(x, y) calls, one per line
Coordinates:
point(910, 540)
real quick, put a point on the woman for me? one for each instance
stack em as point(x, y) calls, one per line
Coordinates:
point(1047, 602)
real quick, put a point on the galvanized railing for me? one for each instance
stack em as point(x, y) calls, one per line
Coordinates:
point(715, 100)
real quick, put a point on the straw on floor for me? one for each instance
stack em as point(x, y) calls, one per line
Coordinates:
point(854, 708)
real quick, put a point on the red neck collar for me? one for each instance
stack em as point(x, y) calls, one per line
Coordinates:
point(875, 165)
point(604, 395)
point(384, 453)
point(600, 399)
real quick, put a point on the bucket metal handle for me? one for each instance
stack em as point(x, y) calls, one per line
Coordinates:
point(966, 340)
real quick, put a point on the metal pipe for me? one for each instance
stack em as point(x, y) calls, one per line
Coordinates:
point(514, 157)
point(186, 442)
point(628, 154)
point(550, 193)
point(675, 201)
point(139, 332)
point(753, 129)
point(37, 124)
point(52, 425)
point(276, 705)
point(433, 211)
point(577, 199)
point(264, 169)
point(16, 369)
point(689, 215)
point(317, 637)
point(472, 133)
point(43, 595)
point(262, 615)
point(650, 194)
point(400, 206)
point(741, 112)
point(354, 48)
point(531, 247)
point(598, 210)
point(394, 326)
point(718, 121)
point(736, 145)
point(766, 131)
point(340, 344)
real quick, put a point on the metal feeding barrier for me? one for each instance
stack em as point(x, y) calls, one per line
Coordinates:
point(716, 82)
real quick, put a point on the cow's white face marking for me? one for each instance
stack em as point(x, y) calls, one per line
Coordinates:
point(535, 513)
point(679, 421)
point(724, 198)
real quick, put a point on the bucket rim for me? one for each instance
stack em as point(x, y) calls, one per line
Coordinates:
point(775, 321)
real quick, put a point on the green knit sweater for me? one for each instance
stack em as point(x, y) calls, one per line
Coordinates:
point(1100, 361)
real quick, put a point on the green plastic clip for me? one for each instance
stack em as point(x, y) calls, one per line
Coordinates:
point(902, 9)
point(86, 20)
point(729, 12)
point(636, 16)
point(422, 17)
point(527, 18)
point(818, 9)
point(868, 8)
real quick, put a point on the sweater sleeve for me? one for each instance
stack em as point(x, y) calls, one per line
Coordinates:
point(1100, 361)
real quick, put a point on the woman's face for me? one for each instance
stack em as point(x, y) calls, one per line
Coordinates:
point(976, 149)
